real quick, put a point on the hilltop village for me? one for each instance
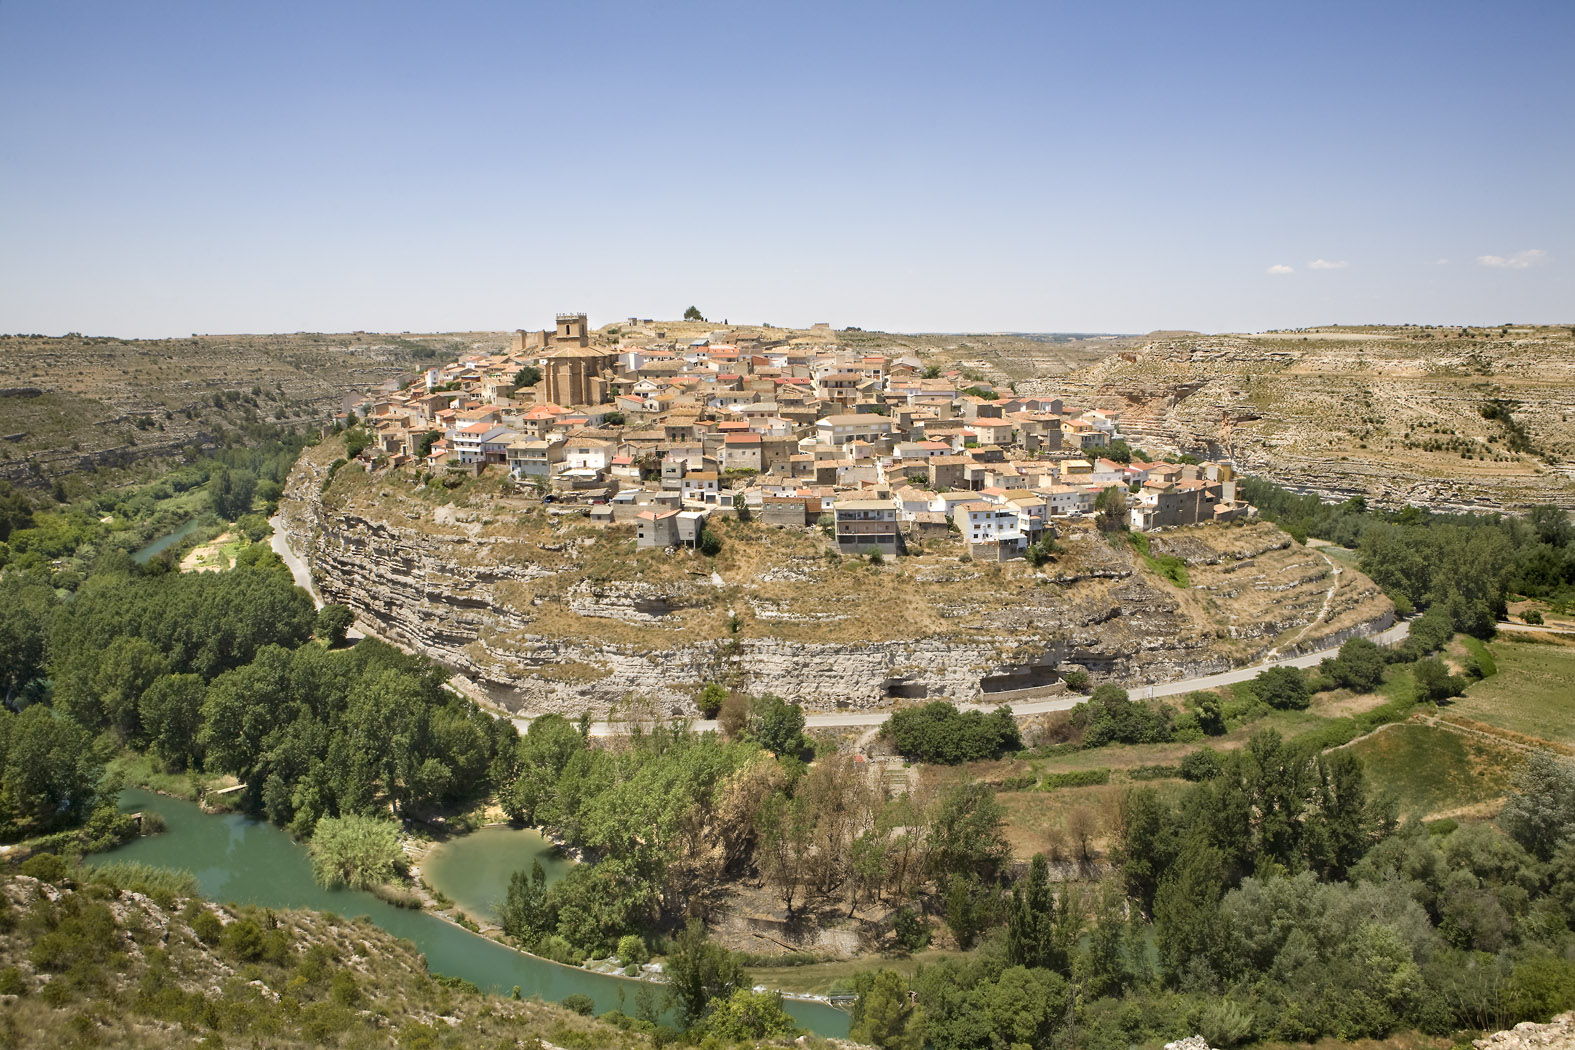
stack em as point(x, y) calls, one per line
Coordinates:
point(797, 431)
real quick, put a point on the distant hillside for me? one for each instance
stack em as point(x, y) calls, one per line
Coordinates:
point(1445, 417)
point(74, 404)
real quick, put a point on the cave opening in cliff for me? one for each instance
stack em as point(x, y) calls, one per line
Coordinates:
point(1035, 677)
point(906, 689)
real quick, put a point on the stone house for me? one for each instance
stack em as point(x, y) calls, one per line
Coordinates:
point(656, 528)
point(865, 523)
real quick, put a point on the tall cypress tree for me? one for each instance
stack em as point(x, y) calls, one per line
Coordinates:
point(1031, 926)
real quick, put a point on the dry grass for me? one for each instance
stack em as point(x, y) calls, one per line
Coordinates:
point(1532, 692)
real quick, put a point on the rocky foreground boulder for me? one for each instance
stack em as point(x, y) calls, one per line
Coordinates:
point(1557, 1034)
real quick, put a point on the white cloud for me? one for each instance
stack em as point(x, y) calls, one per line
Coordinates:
point(1279, 268)
point(1519, 261)
point(1326, 264)
point(1440, 262)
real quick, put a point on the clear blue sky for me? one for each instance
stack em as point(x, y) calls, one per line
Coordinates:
point(172, 168)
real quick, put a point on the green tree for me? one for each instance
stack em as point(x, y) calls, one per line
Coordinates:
point(427, 440)
point(171, 710)
point(1187, 921)
point(709, 543)
point(230, 492)
point(543, 753)
point(332, 623)
point(125, 670)
point(885, 1015)
point(938, 733)
point(965, 834)
point(1147, 844)
point(525, 914)
point(1359, 666)
point(747, 1016)
point(784, 828)
point(741, 507)
point(1110, 509)
point(1111, 716)
point(710, 699)
point(693, 314)
point(1031, 921)
point(383, 740)
point(25, 609)
point(777, 724)
point(700, 971)
point(254, 527)
point(527, 377)
point(48, 775)
point(1540, 813)
point(1284, 688)
point(1210, 709)
point(16, 510)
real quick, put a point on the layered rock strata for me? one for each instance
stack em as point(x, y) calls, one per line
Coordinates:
point(524, 615)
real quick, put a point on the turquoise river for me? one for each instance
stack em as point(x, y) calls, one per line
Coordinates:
point(244, 861)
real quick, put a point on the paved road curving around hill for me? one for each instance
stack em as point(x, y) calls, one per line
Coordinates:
point(297, 566)
point(298, 569)
point(1142, 690)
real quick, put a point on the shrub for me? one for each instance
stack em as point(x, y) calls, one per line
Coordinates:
point(46, 867)
point(711, 699)
point(243, 939)
point(1112, 717)
point(580, 1003)
point(709, 544)
point(1039, 553)
point(632, 950)
point(207, 928)
point(1532, 616)
point(908, 930)
point(1076, 681)
point(940, 734)
point(1434, 682)
point(1202, 764)
point(356, 851)
point(1075, 778)
point(748, 1017)
point(12, 982)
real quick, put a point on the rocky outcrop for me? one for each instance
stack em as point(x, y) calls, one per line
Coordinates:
point(1557, 1034)
point(527, 618)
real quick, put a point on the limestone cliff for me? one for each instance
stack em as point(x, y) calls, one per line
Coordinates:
point(551, 613)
